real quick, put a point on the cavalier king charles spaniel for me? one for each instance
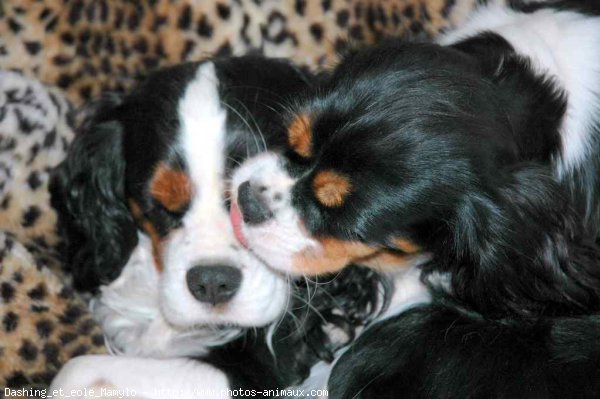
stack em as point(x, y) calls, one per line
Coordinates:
point(475, 159)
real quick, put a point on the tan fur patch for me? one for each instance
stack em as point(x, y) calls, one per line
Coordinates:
point(300, 136)
point(171, 188)
point(149, 228)
point(336, 254)
point(331, 188)
point(386, 260)
point(406, 246)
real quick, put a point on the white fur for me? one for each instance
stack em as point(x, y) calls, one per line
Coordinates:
point(139, 377)
point(278, 239)
point(564, 45)
point(206, 237)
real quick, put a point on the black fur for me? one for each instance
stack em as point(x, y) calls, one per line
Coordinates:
point(458, 161)
point(89, 195)
point(589, 7)
point(455, 149)
point(441, 350)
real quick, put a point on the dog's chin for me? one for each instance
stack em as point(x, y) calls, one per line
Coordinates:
point(178, 329)
point(225, 316)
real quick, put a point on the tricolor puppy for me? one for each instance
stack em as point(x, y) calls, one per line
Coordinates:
point(477, 158)
point(482, 151)
point(143, 197)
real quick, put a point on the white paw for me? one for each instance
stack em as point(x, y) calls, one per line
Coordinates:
point(124, 377)
point(78, 375)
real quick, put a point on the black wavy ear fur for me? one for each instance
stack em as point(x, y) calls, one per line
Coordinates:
point(87, 190)
point(521, 249)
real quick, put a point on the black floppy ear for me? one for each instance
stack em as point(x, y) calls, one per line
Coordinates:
point(87, 190)
point(526, 231)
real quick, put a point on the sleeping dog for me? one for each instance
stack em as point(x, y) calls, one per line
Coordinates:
point(478, 158)
point(143, 201)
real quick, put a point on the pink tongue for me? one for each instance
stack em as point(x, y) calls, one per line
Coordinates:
point(236, 221)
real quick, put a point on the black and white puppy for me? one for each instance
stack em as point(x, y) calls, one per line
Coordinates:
point(143, 200)
point(481, 152)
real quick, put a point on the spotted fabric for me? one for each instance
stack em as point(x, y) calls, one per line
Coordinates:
point(87, 46)
point(43, 323)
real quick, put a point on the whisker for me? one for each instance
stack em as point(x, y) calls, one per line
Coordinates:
point(257, 126)
point(235, 161)
point(245, 123)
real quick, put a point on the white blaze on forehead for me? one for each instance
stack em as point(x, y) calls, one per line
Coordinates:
point(203, 131)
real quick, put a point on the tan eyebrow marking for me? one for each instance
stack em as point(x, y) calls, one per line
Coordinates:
point(300, 135)
point(171, 187)
point(331, 188)
point(406, 245)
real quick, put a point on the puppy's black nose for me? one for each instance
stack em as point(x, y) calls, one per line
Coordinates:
point(213, 284)
point(254, 210)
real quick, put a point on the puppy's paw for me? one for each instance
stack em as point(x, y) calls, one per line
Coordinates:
point(80, 375)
